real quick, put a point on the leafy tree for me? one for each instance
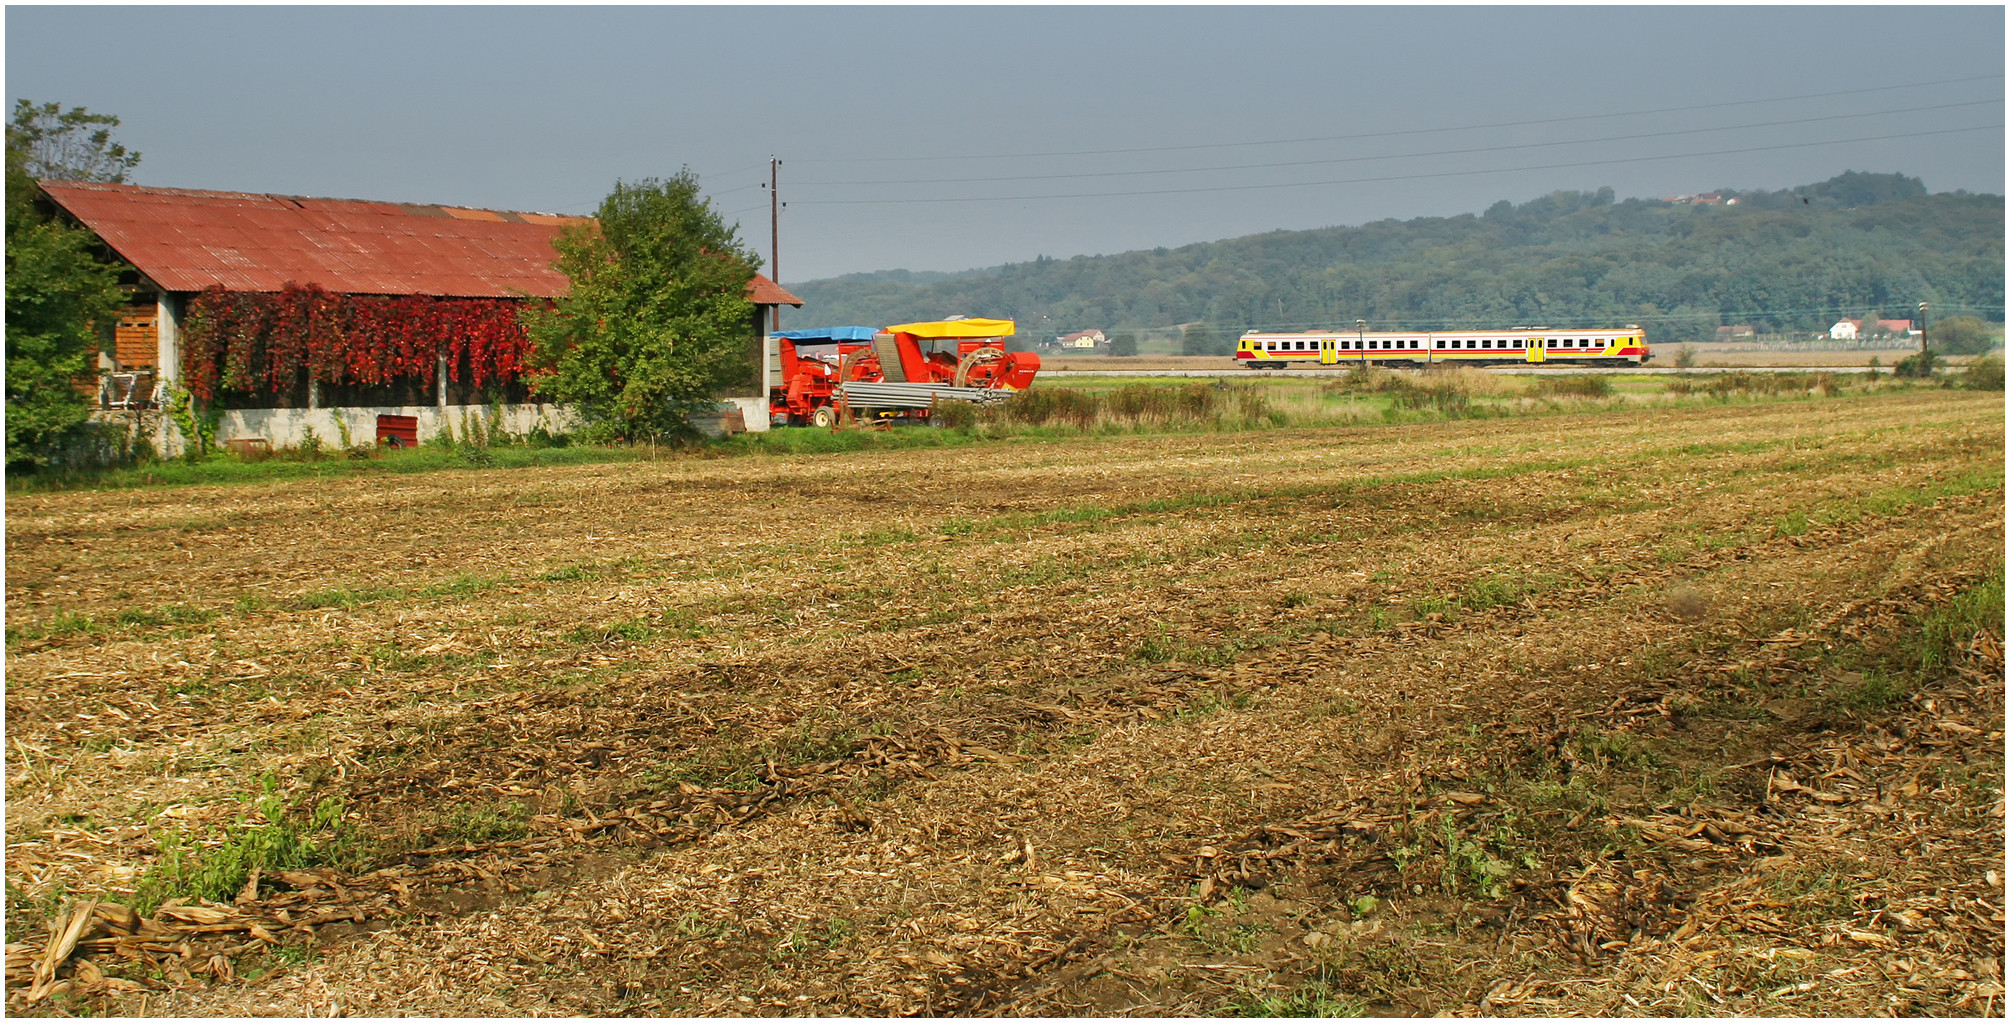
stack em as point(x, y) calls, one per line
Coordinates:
point(57, 294)
point(657, 321)
point(1961, 335)
point(1205, 339)
point(68, 145)
point(1123, 344)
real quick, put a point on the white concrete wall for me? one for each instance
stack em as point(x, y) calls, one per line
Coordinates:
point(755, 409)
point(287, 428)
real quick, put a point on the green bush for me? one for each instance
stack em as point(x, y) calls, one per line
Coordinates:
point(961, 416)
point(1917, 366)
point(1984, 374)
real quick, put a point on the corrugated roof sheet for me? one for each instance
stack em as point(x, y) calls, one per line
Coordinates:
point(188, 239)
point(762, 291)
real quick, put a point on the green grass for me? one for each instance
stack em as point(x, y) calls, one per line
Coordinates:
point(482, 823)
point(227, 469)
point(1309, 1001)
point(1977, 608)
point(270, 839)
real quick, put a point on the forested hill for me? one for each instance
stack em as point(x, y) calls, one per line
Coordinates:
point(1790, 260)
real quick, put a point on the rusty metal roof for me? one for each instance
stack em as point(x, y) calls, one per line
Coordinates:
point(187, 239)
point(762, 291)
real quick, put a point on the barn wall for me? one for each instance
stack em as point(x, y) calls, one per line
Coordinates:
point(287, 428)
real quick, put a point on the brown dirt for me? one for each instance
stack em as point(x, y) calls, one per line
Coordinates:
point(1592, 714)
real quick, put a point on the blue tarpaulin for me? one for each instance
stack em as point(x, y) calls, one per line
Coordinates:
point(826, 335)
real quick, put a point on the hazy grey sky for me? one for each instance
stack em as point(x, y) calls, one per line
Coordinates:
point(939, 138)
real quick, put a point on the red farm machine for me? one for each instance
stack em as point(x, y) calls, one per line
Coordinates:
point(819, 377)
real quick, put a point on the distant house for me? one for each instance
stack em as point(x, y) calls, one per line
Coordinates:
point(1088, 339)
point(1899, 328)
point(1736, 331)
point(1845, 330)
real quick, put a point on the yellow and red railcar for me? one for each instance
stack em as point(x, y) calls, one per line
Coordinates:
point(1609, 346)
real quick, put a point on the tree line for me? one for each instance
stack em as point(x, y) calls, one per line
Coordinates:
point(1796, 260)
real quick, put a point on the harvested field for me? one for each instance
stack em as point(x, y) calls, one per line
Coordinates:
point(1691, 711)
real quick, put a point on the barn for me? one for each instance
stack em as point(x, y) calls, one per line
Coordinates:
point(374, 319)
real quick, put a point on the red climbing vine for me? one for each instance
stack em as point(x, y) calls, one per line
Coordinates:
point(263, 341)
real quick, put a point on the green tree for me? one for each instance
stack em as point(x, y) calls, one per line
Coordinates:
point(1206, 339)
point(57, 294)
point(1123, 344)
point(1961, 335)
point(657, 320)
point(67, 145)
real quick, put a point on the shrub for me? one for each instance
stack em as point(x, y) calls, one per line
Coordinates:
point(1917, 366)
point(1574, 386)
point(1984, 374)
point(960, 416)
point(1134, 406)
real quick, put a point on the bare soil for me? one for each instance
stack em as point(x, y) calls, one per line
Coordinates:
point(1607, 713)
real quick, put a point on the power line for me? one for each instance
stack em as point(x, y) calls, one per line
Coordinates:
point(1400, 177)
point(1410, 131)
point(1405, 156)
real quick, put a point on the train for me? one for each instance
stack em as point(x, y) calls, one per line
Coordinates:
point(1599, 346)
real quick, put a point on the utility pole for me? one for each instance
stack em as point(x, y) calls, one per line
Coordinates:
point(775, 230)
point(1922, 331)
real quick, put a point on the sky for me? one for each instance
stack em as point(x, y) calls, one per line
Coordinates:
point(949, 138)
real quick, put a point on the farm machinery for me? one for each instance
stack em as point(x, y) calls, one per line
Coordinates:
point(820, 377)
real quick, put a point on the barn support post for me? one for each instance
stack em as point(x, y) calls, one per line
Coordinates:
point(167, 336)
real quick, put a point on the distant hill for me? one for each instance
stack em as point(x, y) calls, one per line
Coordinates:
point(1794, 260)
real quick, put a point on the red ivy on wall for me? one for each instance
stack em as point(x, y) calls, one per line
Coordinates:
point(263, 341)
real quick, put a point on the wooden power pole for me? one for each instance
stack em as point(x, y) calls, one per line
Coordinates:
point(775, 230)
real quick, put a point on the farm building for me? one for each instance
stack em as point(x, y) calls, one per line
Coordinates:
point(373, 319)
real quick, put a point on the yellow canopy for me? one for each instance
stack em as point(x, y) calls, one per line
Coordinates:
point(947, 329)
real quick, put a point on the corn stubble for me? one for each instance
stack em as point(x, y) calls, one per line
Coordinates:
point(1544, 716)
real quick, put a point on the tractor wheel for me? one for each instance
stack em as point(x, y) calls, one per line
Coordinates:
point(824, 417)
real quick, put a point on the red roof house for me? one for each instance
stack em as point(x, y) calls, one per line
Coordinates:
point(182, 241)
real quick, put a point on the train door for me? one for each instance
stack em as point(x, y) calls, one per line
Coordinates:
point(1536, 349)
point(1329, 351)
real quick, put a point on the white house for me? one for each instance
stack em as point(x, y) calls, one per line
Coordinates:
point(1081, 339)
point(1844, 330)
